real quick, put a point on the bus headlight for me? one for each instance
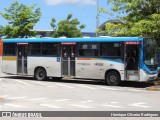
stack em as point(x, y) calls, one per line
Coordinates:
point(146, 72)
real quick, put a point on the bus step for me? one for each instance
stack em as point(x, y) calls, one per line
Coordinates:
point(133, 77)
point(68, 77)
point(132, 72)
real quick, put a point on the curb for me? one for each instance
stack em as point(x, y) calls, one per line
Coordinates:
point(154, 88)
point(1, 99)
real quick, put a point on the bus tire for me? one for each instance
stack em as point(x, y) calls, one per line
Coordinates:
point(112, 78)
point(40, 74)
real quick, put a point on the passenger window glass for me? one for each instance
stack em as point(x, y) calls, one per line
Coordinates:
point(88, 49)
point(110, 49)
point(50, 49)
point(44, 49)
point(9, 49)
point(35, 49)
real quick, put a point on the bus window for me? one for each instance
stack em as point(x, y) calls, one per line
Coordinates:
point(9, 49)
point(50, 49)
point(110, 49)
point(88, 49)
point(35, 49)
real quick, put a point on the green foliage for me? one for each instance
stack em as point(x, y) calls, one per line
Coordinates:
point(21, 19)
point(142, 18)
point(1, 31)
point(69, 27)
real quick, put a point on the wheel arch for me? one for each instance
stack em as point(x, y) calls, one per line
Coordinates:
point(38, 68)
point(112, 70)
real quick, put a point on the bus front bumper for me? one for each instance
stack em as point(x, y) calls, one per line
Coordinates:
point(152, 77)
point(144, 76)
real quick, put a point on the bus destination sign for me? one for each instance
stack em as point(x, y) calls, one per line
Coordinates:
point(131, 43)
point(22, 43)
point(68, 43)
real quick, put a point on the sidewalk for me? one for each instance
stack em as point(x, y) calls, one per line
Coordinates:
point(156, 86)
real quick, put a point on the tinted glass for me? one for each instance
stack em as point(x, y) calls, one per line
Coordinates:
point(110, 49)
point(44, 49)
point(9, 49)
point(88, 49)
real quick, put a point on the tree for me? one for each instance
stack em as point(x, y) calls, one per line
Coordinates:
point(21, 20)
point(1, 29)
point(141, 18)
point(68, 27)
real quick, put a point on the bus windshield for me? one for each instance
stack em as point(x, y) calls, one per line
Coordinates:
point(150, 52)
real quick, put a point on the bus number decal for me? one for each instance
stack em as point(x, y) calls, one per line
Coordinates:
point(98, 64)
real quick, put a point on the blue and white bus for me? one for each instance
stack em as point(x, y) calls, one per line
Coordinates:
point(113, 59)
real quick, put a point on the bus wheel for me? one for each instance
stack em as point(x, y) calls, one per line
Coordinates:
point(40, 74)
point(113, 78)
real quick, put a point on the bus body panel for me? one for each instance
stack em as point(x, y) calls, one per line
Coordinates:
point(95, 68)
point(9, 64)
point(51, 65)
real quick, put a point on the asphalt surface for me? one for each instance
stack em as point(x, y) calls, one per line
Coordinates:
point(26, 94)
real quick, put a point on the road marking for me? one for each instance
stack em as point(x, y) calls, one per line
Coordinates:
point(15, 98)
point(111, 104)
point(41, 84)
point(49, 105)
point(82, 106)
point(62, 100)
point(13, 105)
point(109, 88)
point(34, 99)
point(63, 85)
point(4, 96)
point(139, 105)
point(87, 101)
point(136, 90)
point(23, 82)
point(86, 87)
point(0, 80)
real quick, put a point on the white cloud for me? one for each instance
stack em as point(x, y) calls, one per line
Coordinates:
point(78, 2)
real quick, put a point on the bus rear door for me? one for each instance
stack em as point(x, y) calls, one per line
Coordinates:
point(68, 59)
point(22, 58)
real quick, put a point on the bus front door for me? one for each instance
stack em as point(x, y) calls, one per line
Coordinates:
point(131, 60)
point(68, 60)
point(22, 59)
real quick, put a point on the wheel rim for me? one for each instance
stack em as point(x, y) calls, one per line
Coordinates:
point(40, 74)
point(113, 78)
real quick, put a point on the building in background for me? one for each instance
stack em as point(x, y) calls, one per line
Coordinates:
point(49, 33)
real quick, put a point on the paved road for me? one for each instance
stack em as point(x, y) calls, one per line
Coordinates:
point(25, 93)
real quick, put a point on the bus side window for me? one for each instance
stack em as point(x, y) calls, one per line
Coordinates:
point(35, 49)
point(110, 49)
point(88, 49)
point(9, 49)
point(50, 49)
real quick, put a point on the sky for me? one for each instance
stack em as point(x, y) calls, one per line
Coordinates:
point(84, 10)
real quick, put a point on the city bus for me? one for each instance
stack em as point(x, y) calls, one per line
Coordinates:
point(112, 59)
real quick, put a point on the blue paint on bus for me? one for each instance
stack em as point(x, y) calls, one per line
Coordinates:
point(109, 39)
